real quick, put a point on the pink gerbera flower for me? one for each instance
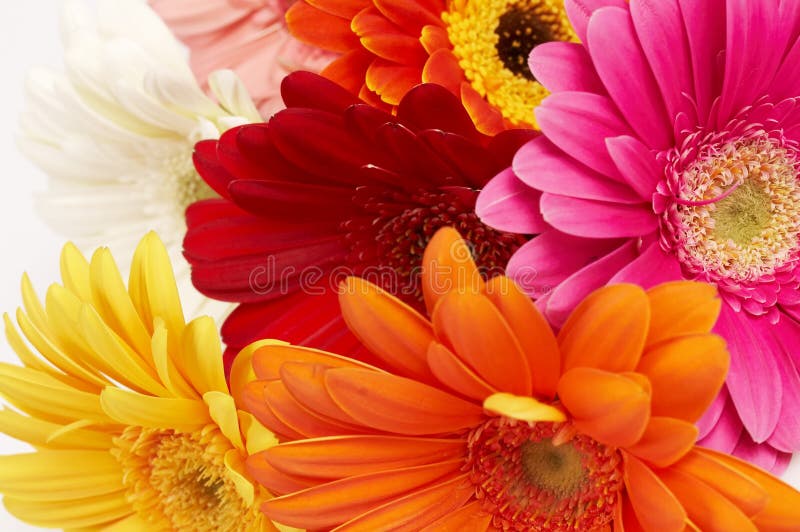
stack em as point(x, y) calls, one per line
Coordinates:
point(247, 36)
point(671, 150)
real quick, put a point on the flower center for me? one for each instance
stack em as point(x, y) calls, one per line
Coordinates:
point(185, 184)
point(736, 211)
point(492, 40)
point(543, 476)
point(179, 480)
point(403, 235)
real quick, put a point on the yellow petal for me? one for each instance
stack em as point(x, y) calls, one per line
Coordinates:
point(59, 475)
point(522, 408)
point(75, 272)
point(112, 302)
point(257, 437)
point(236, 472)
point(25, 355)
point(167, 371)
point(242, 368)
point(132, 523)
point(222, 410)
point(32, 305)
point(131, 408)
point(79, 513)
point(201, 356)
point(44, 434)
point(152, 286)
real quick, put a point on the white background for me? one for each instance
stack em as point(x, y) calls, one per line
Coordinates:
point(29, 36)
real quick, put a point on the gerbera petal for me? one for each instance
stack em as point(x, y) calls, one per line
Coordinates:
point(98, 511)
point(782, 512)
point(319, 28)
point(609, 407)
point(507, 204)
point(726, 433)
point(532, 331)
point(655, 506)
point(686, 374)
point(326, 505)
point(468, 518)
point(347, 456)
point(631, 84)
point(579, 12)
point(607, 330)
point(653, 267)
point(597, 219)
point(564, 66)
point(525, 409)
point(665, 441)
point(268, 359)
point(398, 405)
point(636, 164)
point(389, 328)
point(459, 377)
point(491, 350)
point(447, 266)
point(754, 381)
point(680, 309)
point(131, 408)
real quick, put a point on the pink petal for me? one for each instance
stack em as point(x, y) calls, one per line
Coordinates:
point(597, 219)
point(624, 70)
point(650, 268)
point(579, 123)
point(754, 380)
point(786, 436)
point(507, 204)
point(705, 27)
point(761, 454)
point(579, 12)
point(787, 82)
point(564, 66)
point(541, 165)
point(543, 263)
point(712, 416)
point(659, 26)
point(726, 433)
point(583, 282)
point(636, 163)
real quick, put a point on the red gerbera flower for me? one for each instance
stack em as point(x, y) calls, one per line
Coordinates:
point(332, 187)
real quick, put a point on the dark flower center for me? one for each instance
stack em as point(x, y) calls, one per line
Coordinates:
point(520, 30)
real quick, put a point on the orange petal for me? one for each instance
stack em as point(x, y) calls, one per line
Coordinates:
point(392, 81)
point(532, 331)
point(277, 482)
point(709, 510)
point(398, 405)
point(267, 360)
point(740, 489)
point(609, 407)
point(320, 29)
point(682, 308)
point(297, 416)
point(447, 266)
point(389, 328)
point(483, 340)
point(346, 456)
point(333, 503)
point(384, 39)
point(443, 69)
point(434, 38)
point(625, 519)
point(456, 375)
point(254, 402)
point(342, 8)
point(416, 510)
point(687, 373)
point(665, 441)
point(782, 512)
point(656, 508)
point(410, 15)
point(606, 330)
point(487, 119)
point(350, 69)
point(306, 383)
point(468, 518)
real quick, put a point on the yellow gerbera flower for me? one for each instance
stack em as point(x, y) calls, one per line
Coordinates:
point(126, 405)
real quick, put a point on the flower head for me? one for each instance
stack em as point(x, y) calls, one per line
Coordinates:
point(332, 187)
point(126, 405)
point(477, 49)
point(248, 37)
point(115, 132)
point(659, 167)
point(488, 417)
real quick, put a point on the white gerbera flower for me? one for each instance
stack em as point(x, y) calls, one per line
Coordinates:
point(115, 132)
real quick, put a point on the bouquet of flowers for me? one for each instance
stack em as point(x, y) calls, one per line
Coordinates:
point(406, 265)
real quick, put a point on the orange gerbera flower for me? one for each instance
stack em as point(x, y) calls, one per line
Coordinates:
point(489, 421)
point(477, 49)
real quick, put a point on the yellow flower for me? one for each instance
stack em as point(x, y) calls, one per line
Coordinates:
point(127, 407)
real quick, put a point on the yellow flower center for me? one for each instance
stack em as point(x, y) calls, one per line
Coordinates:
point(543, 476)
point(185, 184)
point(492, 40)
point(180, 481)
point(739, 207)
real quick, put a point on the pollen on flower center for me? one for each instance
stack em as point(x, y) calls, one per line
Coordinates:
point(492, 40)
point(402, 237)
point(736, 214)
point(179, 481)
point(543, 476)
point(185, 183)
